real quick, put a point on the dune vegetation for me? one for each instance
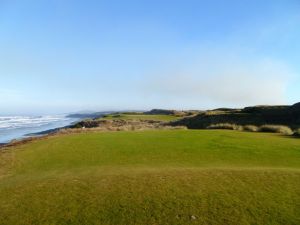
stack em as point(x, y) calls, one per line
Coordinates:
point(140, 116)
point(285, 130)
point(297, 133)
point(152, 177)
point(288, 116)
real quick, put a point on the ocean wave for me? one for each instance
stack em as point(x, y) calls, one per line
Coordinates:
point(14, 122)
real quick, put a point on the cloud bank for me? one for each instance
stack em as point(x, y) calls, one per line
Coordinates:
point(215, 81)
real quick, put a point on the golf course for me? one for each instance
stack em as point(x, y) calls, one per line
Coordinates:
point(209, 177)
point(161, 112)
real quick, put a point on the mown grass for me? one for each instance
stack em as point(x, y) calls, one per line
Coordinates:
point(137, 116)
point(153, 177)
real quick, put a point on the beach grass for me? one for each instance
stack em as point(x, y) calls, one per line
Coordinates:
point(152, 177)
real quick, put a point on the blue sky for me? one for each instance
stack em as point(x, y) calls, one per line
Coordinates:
point(62, 56)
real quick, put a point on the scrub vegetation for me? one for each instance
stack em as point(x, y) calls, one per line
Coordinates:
point(140, 116)
point(264, 128)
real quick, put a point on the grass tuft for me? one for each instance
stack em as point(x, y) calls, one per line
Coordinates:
point(250, 128)
point(297, 132)
point(264, 128)
point(276, 129)
point(226, 126)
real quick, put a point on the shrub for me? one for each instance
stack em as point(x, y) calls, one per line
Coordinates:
point(276, 129)
point(251, 128)
point(227, 126)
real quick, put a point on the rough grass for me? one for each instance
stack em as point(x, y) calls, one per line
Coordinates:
point(153, 177)
point(276, 129)
point(136, 116)
point(250, 128)
point(226, 126)
point(264, 128)
point(297, 132)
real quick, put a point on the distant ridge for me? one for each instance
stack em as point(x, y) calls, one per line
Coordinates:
point(89, 115)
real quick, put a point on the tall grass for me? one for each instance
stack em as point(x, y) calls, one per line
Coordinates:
point(297, 132)
point(276, 129)
point(226, 126)
point(251, 128)
point(264, 128)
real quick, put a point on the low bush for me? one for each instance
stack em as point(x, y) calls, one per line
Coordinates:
point(276, 129)
point(227, 126)
point(251, 128)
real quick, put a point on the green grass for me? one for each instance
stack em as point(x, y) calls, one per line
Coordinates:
point(136, 116)
point(153, 177)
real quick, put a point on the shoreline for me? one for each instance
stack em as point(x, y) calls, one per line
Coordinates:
point(32, 136)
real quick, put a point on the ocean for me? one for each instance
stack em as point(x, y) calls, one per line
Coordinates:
point(18, 127)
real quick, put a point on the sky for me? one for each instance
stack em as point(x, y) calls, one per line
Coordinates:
point(59, 56)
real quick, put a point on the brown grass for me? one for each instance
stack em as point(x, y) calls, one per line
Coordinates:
point(250, 128)
point(227, 126)
point(297, 132)
point(276, 129)
point(265, 128)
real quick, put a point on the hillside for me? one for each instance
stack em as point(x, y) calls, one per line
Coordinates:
point(257, 115)
point(127, 120)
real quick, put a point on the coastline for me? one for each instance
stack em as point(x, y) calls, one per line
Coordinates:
point(35, 135)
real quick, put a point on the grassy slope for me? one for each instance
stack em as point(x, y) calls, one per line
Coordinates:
point(153, 177)
point(142, 117)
